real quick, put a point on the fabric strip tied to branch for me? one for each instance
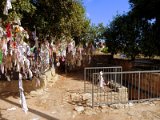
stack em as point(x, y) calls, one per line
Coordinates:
point(7, 7)
point(22, 97)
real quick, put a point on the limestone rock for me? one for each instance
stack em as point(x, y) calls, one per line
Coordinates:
point(36, 93)
point(79, 109)
point(75, 97)
point(128, 105)
point(86, 96)
point(117, 106)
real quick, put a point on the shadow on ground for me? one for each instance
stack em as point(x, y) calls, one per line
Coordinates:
point(48, 117)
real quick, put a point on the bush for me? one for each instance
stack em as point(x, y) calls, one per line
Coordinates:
point(105, 50)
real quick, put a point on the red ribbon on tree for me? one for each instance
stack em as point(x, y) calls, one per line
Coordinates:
point(8, 30)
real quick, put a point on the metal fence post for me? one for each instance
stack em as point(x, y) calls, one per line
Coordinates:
point(121, 77)
point(84, 79)
point(139, 75)
point(93, 90)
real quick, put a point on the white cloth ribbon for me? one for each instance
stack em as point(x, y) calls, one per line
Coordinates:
point(101, 80)
point(22, 96)
point(7, 7)
point(2, 68)
point(2, 32)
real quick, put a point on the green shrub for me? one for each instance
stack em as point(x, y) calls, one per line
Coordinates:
point(105, 50)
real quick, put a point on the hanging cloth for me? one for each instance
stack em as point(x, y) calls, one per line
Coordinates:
point(101, 80)
point(7, 7)
point(22, 97)
point(1, 31)
point(1, 56)
point(8, 30)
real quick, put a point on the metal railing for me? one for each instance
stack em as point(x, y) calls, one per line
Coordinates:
point(122, 87)
point(88, 72)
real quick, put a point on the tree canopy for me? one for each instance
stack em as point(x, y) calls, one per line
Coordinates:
point(136, 32)
point(56, 18)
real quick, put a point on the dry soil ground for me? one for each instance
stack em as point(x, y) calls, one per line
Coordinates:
point(53, 104)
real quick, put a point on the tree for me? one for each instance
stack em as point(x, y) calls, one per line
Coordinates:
point(149, 10)
point(145, 8)
point(114, 37)
point(137, 31)
point(56, 18)
point(123, 35)
point(95, 33)
point(60, 18)
point(19, 9)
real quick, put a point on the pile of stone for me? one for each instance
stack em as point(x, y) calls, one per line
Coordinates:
point(84, 99)
point(83, 104)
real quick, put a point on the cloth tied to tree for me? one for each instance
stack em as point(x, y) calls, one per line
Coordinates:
point(8, 30)
point(7, 6)
point(1, 56)
point(22, 97)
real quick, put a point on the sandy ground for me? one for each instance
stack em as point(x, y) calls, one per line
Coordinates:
point(53, 104)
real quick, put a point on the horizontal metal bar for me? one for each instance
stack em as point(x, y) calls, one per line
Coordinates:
point(102, 67)
point(125, 72)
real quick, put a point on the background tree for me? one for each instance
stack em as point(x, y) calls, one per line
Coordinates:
point(56, 18)
point(59, 18)
point(148, 10)
point(123, 35)
point(136, 31)
point(19, 9)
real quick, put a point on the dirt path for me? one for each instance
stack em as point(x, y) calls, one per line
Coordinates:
point(54, 104)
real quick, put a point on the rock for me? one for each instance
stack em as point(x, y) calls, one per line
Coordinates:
point(152, 104)
point(97, 110)
point(79, 104)
point(33, 93)
point(89, 103)
point(46, 89)
point(13, 108)
point(117, 106)
point(128, 105)
point(103, 106)
point(146, 102)
point(75, 97)
point(79, 109)
point(36, 93)
point(86, 96)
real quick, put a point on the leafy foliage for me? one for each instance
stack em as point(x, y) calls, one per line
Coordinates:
point(136, 31)
point(56, 18)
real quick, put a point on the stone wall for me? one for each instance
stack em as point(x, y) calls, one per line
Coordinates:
point(29, 85)
point(97, 60)
point(120, 93)
point(108, 60)
point(127, 65)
